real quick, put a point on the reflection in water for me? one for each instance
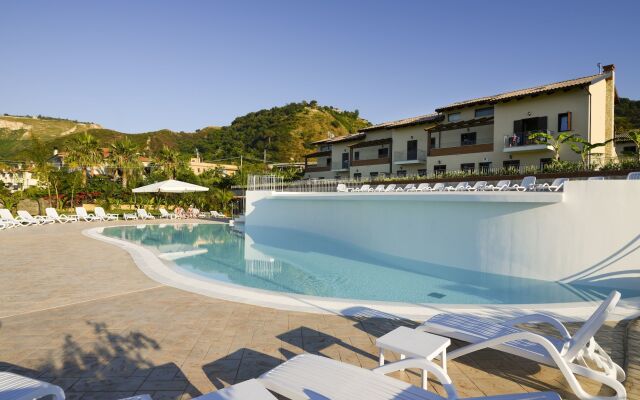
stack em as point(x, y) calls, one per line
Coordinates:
point(295, 262)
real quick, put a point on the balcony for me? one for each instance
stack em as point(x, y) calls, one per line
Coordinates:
point(317, 168)
point(407, 158)
point(340, 166)
point(373, 161)
point(520, 143)
point(466, 149)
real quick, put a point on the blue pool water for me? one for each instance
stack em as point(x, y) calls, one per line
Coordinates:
point(295, 262)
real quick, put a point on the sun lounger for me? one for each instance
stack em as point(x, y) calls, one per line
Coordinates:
point(410, 187)
point(390, 188)
point(216, 214)
point(500, 186)
point(633, 176)
point(477, 186)
point(595, 178)
point(6, 216)
point(379, 188)
point(438, 187)
point(17, 387)
point(53, 215)
point(571, 354)
point(38, 220)
point(308, 376)
point(460, 187)
point(166, 214)
point(343, 188)
point(84, 215)
point(423, 187)
point(247, 390)
point(105, 217)
point(142, 214)
point(555, 186)
point(128, 216)
point(528, 183)
point(363, 188)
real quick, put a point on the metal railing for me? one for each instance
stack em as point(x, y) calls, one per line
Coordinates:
point(522, 138)
point(400, 156)
point(339, 165)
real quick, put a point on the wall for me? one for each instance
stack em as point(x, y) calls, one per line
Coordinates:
point(589, 233)
point(400, 138)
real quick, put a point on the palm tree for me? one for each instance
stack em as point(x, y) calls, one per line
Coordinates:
point(554, 141)
point(169, 160)
point(583, 147)
point(83, 153)
point(124, 156)
point(222, 197)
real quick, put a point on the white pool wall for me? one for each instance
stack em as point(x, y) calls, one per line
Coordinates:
point(590, 233)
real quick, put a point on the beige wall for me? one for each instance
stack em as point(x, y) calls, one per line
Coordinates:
point(400, 138)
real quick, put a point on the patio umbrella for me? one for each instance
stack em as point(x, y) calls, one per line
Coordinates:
point(170, 186)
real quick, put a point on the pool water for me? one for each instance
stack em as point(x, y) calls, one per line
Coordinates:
point(296, 262)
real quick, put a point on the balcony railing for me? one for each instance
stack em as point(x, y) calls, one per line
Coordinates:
point(405, 157)
point(317, 168)
point(522, 139)
point(340, 165)
point(466, 149)
point(372, 161)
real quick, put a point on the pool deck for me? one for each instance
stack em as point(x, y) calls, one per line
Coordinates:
point(77, 312)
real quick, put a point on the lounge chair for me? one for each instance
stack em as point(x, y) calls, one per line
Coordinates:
point(343, 188)
point(7, 217)
point(379, 188)
point(390, 188)
point(500, 186)
point(247, 390)
point(595, 178)
point(555, 186)
point(17, 387)
point(633, 176)
point(105, 217)
point(410, 187)
point(477, 186)
point(82, 213)
point(216, 214)
point(128, 216)
point(363, 188)
point(308, 376)
point(142, 214)
point(423, 187)
point(528, 183)
point(460, 187)
point(53, 215)
point(37, 220)
point(438, 187)
point(3, 225)
point(166, 214)
point(570, 354)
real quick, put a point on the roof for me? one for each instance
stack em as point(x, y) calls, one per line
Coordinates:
point(405, 122)
point(622, 138)
point(370, 143)
point(461, 124)
point(571, 83)
point(343, 138)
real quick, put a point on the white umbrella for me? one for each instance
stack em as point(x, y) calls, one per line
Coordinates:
point(170, 186)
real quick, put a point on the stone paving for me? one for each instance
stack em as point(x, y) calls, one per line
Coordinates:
point(77, 312)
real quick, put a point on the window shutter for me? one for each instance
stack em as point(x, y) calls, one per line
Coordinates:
point(517, 126)
point(569, 121)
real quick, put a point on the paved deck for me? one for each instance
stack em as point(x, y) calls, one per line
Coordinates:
point(77, 312)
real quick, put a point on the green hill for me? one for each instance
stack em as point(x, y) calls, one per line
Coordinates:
point(286, 132)
point(627, 115)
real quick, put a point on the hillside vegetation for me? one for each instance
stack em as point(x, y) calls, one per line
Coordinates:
point(627, 115)
point(285, 132)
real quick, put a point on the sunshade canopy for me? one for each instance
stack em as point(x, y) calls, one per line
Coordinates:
point(170, 186)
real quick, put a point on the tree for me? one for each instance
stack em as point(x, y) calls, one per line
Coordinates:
point(583, 147)
point(39, 155)
point(169, 160)
point(124, 156)
point(83, 153)
point(635, 137)
point(222, 198)
point(554, 141)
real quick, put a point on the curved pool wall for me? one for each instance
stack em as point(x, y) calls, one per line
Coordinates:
point(589, 234)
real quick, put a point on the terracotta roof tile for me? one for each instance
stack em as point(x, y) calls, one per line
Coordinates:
point(404, 122)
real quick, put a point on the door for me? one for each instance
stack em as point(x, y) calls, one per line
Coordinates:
point(412, 150)
point(345, 160)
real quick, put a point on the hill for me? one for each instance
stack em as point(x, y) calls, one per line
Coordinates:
point(286, 133)
point(627, 115)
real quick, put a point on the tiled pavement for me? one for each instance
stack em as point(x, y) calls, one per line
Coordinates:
point(78, 313)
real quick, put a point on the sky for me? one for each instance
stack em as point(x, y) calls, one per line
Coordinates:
point(139, 66)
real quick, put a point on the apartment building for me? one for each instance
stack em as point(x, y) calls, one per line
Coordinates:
point(478, 134)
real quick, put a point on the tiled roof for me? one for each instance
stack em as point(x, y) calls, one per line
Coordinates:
point(523, 92)
point(343, 138)
point(404, 122)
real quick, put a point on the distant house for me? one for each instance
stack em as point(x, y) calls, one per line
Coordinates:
point(198, 166)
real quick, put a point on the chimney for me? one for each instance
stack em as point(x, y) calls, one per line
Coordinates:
point(608, 68)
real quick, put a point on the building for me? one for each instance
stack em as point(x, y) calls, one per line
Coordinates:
point(478, 134)
point(19, 177)
point(198, 166)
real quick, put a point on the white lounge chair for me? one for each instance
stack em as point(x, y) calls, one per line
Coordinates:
point(216, 214)
point(105, 217)
point(438, 187)
point(343, 188)
point(247, 390)
point(53, 215)
point(555, 186)
point(3, 225)
point(37, 220)
point(7, 217)
point(423, 187)
point(311, 377)
point(142, 214)
point(570, 354)
point(363, 188)
point(166, 214)
point(379, 188)
point(500, 186)
point(633, 176)
point(128, 216)
point(595, 178)
point(82, 214)
point(460, 187)
point(390, 188)
point(528, 183)
point(17, 387)
point(410, 187)
point(477, 186)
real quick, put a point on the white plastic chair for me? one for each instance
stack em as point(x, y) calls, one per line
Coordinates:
point(500, 186)
point(17, 387)
point(379, 188)
point(343, 188)
point(438, 187)
point(105, 217)
point(166, 214)
point(82, 213)
point(247, 390)
point(53, 215)
point(528, 183)
point(409, 187)
point(569, 354)
point(363, 188)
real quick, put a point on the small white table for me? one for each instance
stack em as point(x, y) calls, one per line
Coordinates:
point(414, 343)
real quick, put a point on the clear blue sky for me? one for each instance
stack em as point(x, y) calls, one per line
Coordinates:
point(145, 65)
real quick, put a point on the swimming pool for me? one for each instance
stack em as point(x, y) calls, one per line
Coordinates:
point(289, 261)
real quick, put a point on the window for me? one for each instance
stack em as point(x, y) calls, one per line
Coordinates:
point(357, 176)
point(468, 139)
point(439, 169)
point(356, 155)
point(454, 117)
point(484, 112)
point(544, 162)
point(564, 122)
point(468, 167)
point(629, 149)
point(345, 160)
point(484, 167)
point(422, 172)
point(412, 150)
point(432, 143)
point(328, 161)
point(383, 153)
point(373, 175)
point(511, 164)
point(535, 124)
point(325, 147)
point(401, 173)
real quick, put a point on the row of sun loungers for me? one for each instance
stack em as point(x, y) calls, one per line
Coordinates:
point(309, 376)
